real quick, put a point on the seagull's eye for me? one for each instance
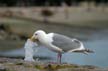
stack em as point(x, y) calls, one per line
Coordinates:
point(36, 34)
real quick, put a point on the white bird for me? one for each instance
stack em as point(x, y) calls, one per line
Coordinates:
point(59, 43)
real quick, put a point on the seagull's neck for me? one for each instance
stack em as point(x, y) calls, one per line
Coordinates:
point(43, 38)
point(46, 39)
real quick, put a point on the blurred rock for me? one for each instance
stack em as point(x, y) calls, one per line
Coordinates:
point(3, 35)
point(13, 64)
point(2, 68)
point(7, 34)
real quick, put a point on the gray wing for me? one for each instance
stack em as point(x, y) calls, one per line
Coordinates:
point(64, 42)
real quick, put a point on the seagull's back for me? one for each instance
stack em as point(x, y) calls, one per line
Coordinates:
point(63, 42)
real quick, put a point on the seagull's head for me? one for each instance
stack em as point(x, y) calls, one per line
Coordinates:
point(37, 35)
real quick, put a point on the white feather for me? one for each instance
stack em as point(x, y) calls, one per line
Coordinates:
point(80, 48)
point(50, 37)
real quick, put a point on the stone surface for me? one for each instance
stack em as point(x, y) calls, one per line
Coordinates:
point(12, 64)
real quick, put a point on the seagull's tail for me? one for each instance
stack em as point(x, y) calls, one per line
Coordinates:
point(86, 51)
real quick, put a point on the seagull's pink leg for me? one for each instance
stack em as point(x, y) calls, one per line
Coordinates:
point(59, 58)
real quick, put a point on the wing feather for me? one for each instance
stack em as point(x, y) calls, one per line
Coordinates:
point(65, 43)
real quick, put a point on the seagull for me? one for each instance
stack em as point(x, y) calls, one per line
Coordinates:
point(59, 43)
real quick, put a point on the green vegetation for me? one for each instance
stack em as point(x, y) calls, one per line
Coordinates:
point(55, 66)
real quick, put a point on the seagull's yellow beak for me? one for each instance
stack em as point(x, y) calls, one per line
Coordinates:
point(34, 38)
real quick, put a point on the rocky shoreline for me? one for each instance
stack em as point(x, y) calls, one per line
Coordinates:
point(13, 64)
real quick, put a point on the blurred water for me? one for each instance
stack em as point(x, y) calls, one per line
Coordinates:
point(96, 40)
point(99, 58)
